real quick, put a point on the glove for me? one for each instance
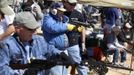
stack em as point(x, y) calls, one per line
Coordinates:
point(65, 59)
point(64, 56)
point(79, 29)
point(70, 27)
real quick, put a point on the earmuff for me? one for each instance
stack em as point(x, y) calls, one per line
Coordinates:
point(54, 11)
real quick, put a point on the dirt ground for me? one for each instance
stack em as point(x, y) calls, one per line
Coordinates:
point(115, 71)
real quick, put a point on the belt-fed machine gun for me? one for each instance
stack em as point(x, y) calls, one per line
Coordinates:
point(99, 67)
point(45, 64)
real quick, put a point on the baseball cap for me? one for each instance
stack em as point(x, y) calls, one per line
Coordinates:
point(72, 1)
point(116, 29)
point(128, 25)
point(26, 19)
point(61, 9)
point(5, 8)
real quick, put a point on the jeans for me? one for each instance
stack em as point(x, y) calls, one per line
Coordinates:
point(74, 53)
point(115, 53)
point(58, 69)
point(123, 56)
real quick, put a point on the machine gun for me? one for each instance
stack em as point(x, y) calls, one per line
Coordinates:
point(99, 67)
point(75, 21)
point(47, 64)
point(39, 63)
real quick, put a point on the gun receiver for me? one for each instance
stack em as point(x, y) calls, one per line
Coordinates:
point(39, 63)
point(75, 21)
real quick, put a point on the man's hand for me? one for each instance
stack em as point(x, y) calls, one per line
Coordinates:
point(80, 28)
point(121, 49)
point(65, 59)
point(64, 56)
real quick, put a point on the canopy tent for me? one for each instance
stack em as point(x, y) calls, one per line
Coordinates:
point(126, 4)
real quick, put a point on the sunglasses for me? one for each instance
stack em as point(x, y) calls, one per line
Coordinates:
point(30, 29)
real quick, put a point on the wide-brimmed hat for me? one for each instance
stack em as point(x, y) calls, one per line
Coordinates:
point(5, 8)
point(72, 1)
point(61, 9)
point(27, 20)
point(58, 6)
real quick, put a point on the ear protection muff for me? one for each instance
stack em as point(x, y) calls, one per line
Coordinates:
point(54, 11)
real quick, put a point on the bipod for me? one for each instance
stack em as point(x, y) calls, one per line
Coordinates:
point(97, 66)
point(119, 67)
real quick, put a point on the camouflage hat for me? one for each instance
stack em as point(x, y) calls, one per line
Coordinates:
point(5, 8)
point(116, 29)
point(26, 19)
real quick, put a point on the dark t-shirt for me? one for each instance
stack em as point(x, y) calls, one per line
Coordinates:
point(72, 35)
point(125, 36)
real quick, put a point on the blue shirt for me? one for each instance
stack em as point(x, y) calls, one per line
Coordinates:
point(54, 31)
point(111, 15)
point(13, 51)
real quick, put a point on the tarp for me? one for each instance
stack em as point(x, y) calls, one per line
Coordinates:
point(126, 4)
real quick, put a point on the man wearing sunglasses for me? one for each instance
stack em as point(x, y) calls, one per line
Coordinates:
point(23, 46)
point(75, 37)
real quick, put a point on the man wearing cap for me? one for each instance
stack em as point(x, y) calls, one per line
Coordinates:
point(114, 47)
point(55, 25)
point(7, 16)
point(76, 39)
point(24, 45)
point(126, 36)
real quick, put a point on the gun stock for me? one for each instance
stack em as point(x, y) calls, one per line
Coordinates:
point(19, 66)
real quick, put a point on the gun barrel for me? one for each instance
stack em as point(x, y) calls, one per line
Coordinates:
point(119, 67)
point(81, 23)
